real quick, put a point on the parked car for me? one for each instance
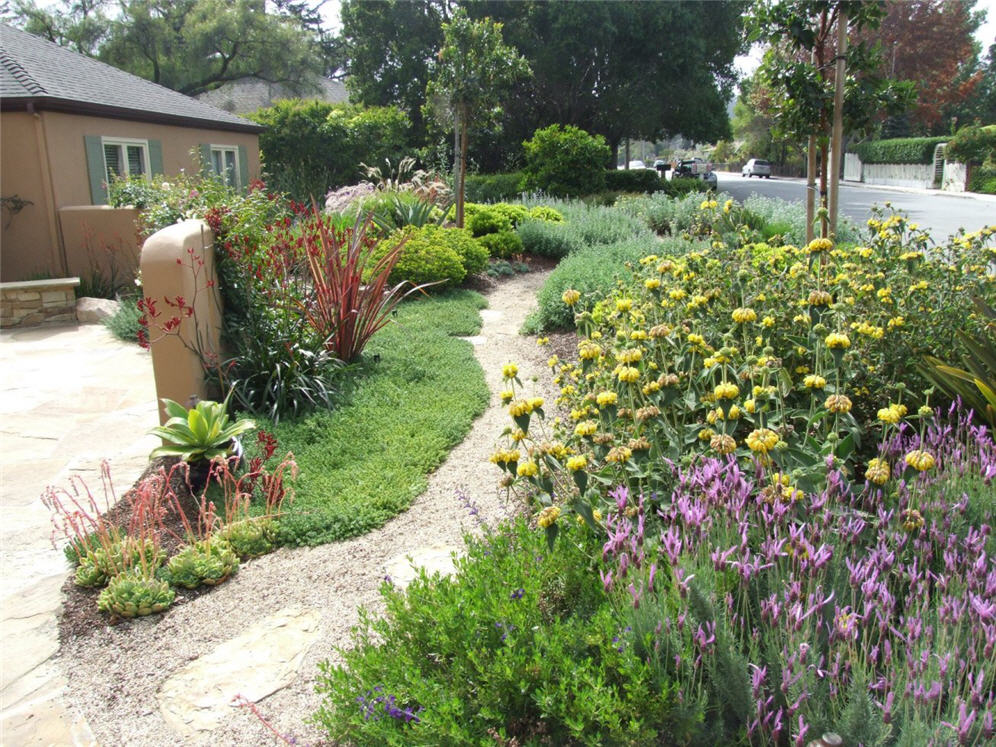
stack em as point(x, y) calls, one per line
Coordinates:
point(696, 168)
point(756, 167)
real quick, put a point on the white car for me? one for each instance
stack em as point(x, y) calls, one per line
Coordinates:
point(756, 167)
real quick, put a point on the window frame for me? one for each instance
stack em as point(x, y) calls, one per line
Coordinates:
point(124, 143)
point(223, 149)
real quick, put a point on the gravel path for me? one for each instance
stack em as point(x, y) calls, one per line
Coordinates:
point(115, 674)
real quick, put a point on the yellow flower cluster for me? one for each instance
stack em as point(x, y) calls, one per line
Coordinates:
point(836, 340)
point(878, 471)
point(505, 456)
point(525, 406)
point(548, 516)
point(509, 371)
point(743, 315)
point(920, 460)
point(838, 403)
point(762, 440)
point(571, 297)
point(726, 391)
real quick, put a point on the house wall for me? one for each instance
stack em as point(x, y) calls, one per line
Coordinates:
point(34, 244)
point(68, 156)
point(101, 239)
point(29, 243)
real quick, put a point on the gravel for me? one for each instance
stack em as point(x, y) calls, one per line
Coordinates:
point(115, 673)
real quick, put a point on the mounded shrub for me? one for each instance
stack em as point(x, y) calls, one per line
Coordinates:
point(564, 160)
point(503, 244)
point(973, 144)
point(488, 221)
point(432, 254)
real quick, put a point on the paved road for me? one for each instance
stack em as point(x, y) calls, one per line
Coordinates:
point(942, 214)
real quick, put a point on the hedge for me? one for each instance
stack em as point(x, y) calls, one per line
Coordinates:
point(898, 150)
point(633, 180)
point(493, 187)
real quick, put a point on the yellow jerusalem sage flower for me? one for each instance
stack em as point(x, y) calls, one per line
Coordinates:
point(629, 355)
point(576, 463)
point(651, 387)
point(570, 297)
point(762, 440)
point(819, 245)
point(890, 415)
point(548, 516)
point(744, 315)
point(528, 468)
point(509, 371)
point(624, 304)
point(619, 454)
point(535, 403)
point(629, 374)
point(606, 398)
point(814, 381)
point(588, 350)
point(660, 330)
point(706, 434)
point(520, 407)
point(750, 406)
point(838, 403)
point(723, 444)
point(652, 283)
point(920, 460)
point(819, 298)
point(726, 391)
point(912, 520)
point(925, 411)
point(878, 471)
point(645, 413)
point(586, 428)
point(507, 396)
point(505, 456)
point(836, 340)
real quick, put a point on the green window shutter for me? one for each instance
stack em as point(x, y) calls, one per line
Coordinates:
point(243, 168)
point(205, 164)
point(156, 157)
point(95, 169)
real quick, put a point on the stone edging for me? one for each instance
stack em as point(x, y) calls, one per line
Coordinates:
point(34, 302)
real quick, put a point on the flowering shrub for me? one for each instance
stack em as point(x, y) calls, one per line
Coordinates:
point(798, 355)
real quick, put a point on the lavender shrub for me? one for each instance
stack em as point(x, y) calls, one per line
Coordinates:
point(863, 610)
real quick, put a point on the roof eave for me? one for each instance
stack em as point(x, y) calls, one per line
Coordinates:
point(50, 103)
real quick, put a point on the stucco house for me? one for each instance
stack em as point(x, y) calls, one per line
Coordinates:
point(68, 124)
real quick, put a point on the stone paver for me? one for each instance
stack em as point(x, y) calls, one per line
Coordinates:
point(403, 569)
point(253, 665)
point(70, 397)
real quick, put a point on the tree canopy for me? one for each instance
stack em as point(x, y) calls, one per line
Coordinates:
point(190, 46)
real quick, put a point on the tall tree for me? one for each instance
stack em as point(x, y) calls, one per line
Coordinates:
point(190, 46)
point(622, 69)
point(473, 69)
point(931, 43)
point(388, 46)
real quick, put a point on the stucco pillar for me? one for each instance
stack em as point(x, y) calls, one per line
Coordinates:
point(179, 279)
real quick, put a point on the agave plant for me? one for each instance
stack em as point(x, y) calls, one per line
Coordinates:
point(199, 434)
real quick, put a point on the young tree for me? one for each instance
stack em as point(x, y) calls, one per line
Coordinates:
point(801, 70)
point(473, 69)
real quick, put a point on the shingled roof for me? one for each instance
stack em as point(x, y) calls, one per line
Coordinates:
point(36, 74)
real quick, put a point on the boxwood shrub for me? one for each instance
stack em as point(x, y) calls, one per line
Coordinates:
point(493, 187)
point(432, 254)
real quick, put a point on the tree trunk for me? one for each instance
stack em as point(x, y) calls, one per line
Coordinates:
point(837, 137)
point(824, 163)
point(626, 162)
point(811, 189)
point(462, 176)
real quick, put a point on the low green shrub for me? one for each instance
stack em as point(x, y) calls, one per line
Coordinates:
point(544, 212)
point(634, 180)
point(683, 186)
point(424, 260)
point(564, 160)
point(593, 271)
point(503, 244)
point(123, 323)
point(898, 150)
point(487, 220)
point(584, 225)
point(662, 213)
point(493, 187)
point(518, 648)
point(983, 180)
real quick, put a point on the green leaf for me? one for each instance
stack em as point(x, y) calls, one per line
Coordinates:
point(551, 535)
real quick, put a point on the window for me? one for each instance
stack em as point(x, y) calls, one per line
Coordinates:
point(225, 163)
point(125, 158)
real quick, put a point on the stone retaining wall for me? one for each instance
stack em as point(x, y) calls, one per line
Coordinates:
point(34, 302)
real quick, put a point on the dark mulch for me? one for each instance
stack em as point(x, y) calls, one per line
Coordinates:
point(79, 615)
